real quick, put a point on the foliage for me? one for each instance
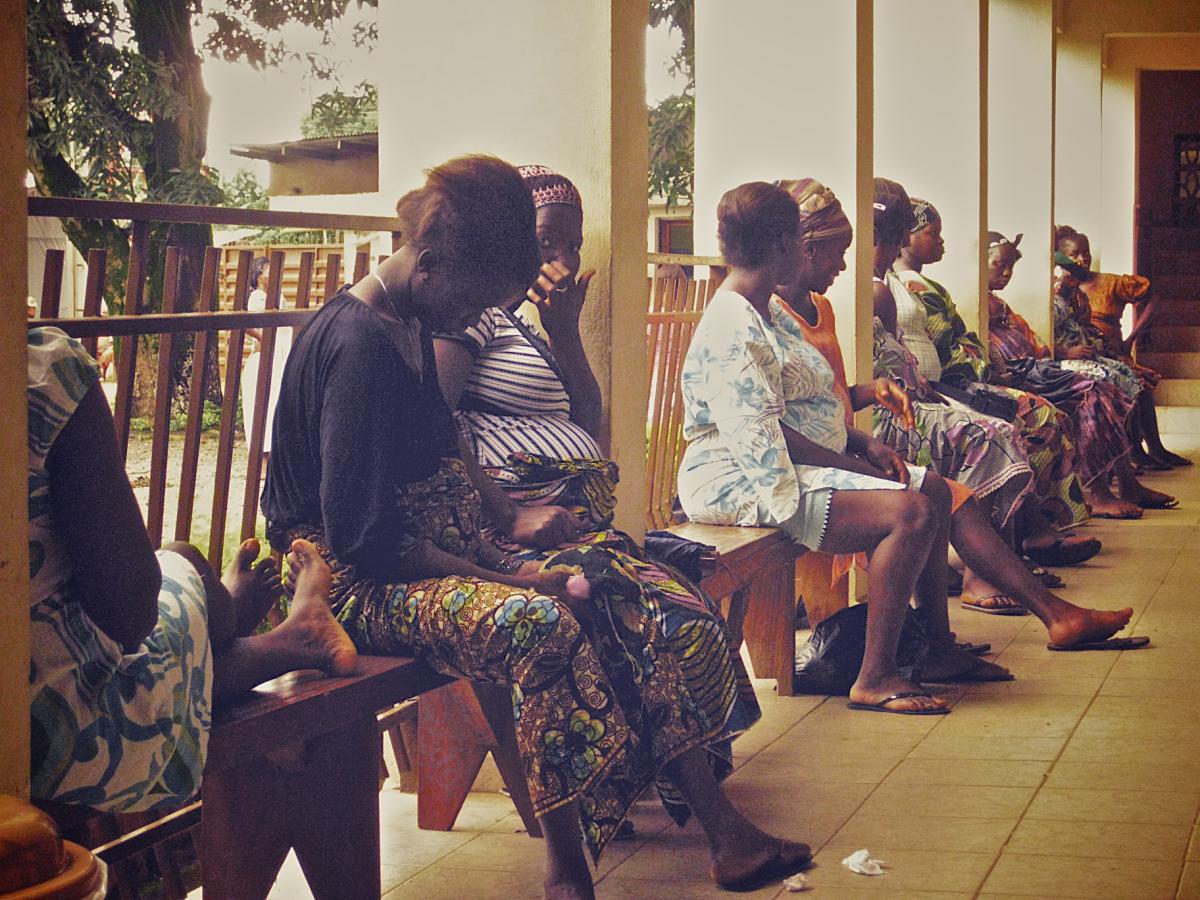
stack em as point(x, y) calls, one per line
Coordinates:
point(244, 191)
point(210, 419)
point(335, 113)
point(672, 121)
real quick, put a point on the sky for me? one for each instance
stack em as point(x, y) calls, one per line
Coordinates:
point(260, 107)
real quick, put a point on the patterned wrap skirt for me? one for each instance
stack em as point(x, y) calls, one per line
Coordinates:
point(604, 693)
point(117, 731)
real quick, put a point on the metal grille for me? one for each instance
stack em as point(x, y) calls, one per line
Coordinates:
point(1186, 199)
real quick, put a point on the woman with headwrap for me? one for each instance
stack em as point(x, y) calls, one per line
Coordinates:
point(1100, 412)
point(965, 439)
point(528, 410)
point(1045, 433)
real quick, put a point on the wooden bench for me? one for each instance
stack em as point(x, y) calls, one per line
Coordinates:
point(760, 571)
point(295, 764)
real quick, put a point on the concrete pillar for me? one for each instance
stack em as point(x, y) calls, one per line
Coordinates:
point(1021, 40)
point(541, 81)
point(1078, 191)
point(784, 90)
point(14, 542)
point(931, 127)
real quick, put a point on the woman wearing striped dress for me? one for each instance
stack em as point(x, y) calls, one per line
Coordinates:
point(529, 411)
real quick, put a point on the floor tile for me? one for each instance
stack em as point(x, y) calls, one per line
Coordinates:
point(1189, 884)
point(949, 800)
point(1147, 807)
point(1072, 876)
point(1138, 776)
point(1104, 840)
point(975, 748)
point(871, 828)
point(441, 883)
point(997, 772)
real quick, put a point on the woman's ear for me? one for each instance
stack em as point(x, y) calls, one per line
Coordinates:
point(426, 261)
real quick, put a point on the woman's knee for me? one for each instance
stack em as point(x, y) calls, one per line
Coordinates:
point(935, 488)
point(916, 514)
point(192, 555)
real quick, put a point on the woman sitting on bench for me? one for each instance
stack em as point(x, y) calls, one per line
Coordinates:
point(367, 465)
point(825, 236)
point(529, 409)
point(131, 647)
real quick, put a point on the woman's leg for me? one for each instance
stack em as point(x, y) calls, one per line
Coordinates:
point(899, 527)
point(310, 637)
point(1147, 419)
point(738, 849)
point(567, 876)
point(1136, 493)
point(982, 550)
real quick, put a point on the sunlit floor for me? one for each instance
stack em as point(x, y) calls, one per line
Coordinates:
point(1080, 779)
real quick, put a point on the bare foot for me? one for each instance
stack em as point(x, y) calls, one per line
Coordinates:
point(253, 587)
point(1147, 498)
point(873, 694)
point(1106, 506)
point(310, 626)
point(748, 857)
point(1078, 625)
point(949, 664)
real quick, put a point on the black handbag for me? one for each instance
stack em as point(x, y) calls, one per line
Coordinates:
point(983, 401)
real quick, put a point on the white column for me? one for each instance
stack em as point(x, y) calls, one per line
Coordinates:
point(1078, 189)
point(784, 90)
point(1020, 195)
point(931, 127)
point(14, 542)
point(542, 81)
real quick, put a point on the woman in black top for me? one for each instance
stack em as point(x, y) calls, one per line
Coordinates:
point(367, 466)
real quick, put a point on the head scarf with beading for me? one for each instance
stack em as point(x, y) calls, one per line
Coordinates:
point(924, 212)
point(548, 187)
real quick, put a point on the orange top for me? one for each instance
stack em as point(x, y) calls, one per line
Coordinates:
point(823, 336)
point(1107, 295)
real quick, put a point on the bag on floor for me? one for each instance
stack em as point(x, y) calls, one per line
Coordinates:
point(829, 662)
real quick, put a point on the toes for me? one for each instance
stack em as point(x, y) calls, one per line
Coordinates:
point(303, 553)
point(266, 569)
point(247, 553)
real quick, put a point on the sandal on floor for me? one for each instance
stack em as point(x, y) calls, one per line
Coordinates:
point(1169, 503)
point(1117, 643)
point(781, 866)
point(882, 705)
point(1176, 461)
point(977, 649)
point(1060, 553)
point(976, 603)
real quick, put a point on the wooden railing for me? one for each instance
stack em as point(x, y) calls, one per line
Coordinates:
point(208, 323)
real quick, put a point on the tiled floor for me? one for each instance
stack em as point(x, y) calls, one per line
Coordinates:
point(1080, 779)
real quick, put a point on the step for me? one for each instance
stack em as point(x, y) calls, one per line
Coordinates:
point(1177, 312)
point(1178, 392)
point(1179, 419)
point(1170, 237)
point(1174, 287)
point(1181, 364)
point(1176, 261)
point(1173, 338)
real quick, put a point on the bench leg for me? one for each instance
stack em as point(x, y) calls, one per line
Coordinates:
point(813, 574)
point(335, 814)
point(327, 808)
point(453, 741)
point(770, 626)
point(496, 702)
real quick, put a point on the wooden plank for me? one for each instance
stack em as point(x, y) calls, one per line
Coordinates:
point(256, 430)
point(683, 259)
point(333, 275)
point(93, 294)
point(362, 265)
point(160, 323)
point(233, 375)
point(52, 284)
point(73, 208)
point(164, 394)
point(127, 350)
point(198, 391)
point(142, 839)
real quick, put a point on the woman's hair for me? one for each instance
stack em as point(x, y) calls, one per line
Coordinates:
point(751, 219)
point(256, 269)
point(1066, 233)
point(893, 212)
point(996, 239)
point(476, 210)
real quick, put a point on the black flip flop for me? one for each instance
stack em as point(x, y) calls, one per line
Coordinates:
point(1159, 504)
point(882, 706)
point(1061, 554)
point(977, 649)
point(771, 871)
point(1119, 643)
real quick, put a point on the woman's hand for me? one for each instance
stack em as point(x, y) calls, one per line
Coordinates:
point(1081, 351)
point(925, 391)
point(544, 527)
point(891, 396)
point(559, 299)
point(887, 460)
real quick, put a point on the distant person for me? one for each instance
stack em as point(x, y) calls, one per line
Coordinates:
point(260, 273)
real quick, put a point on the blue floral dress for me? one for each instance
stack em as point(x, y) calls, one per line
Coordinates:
point(111, 730)
point(743, 379)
